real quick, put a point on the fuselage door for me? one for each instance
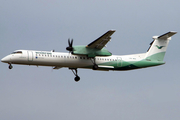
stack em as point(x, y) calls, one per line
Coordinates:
point(30, 55)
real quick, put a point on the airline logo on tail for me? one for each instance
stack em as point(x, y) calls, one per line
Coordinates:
point(159, 47)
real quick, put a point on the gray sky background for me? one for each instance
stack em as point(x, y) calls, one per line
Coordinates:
point(40, 93)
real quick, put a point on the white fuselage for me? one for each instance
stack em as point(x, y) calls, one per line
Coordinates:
point(60, 59)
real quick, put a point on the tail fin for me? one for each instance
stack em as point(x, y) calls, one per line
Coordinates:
point(158, 47)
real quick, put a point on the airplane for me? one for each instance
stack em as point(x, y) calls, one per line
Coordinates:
point(93, 56)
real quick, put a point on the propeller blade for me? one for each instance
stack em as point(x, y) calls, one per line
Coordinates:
point(70, 43)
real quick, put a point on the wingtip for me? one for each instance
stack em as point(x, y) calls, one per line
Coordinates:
point(113, 30)
point(173, 32)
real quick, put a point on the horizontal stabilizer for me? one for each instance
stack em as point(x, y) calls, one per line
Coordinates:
point(167, 35)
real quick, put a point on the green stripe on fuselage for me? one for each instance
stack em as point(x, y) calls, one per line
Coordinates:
point(157, 56)
point(130, 65)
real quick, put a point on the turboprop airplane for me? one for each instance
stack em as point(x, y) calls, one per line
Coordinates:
point(93, 56)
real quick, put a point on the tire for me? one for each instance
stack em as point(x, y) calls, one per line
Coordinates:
point(95, 67)
point(77, 78)
point(10, 66)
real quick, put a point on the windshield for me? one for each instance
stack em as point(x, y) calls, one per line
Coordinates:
point(17, 52)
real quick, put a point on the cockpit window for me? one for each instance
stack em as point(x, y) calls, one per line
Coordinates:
point(17, 52)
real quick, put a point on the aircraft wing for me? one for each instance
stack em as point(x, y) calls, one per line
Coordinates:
point(101, 41)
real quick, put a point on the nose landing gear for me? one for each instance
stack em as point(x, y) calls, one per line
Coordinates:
point(10, 66)
point(74, 70)
point(77, 78)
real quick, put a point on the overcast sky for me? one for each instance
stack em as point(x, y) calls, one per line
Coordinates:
point(40, 93)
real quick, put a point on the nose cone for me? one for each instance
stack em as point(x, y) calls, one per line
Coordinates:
point(5, 59)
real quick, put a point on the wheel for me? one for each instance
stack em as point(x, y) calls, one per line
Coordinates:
point(77, 78)
point(10, 66)
point(95, 67)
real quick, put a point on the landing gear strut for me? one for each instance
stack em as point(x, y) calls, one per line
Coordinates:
point(95, 66)
point(10, 66)
point(74, 70)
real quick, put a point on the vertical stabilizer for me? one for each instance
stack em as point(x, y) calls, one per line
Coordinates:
point(159, 46)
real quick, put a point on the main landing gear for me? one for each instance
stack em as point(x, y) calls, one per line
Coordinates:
point(95, 66)
point(10, 66)
point(74, 70)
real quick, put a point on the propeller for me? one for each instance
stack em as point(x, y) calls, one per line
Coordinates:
point(70, 43)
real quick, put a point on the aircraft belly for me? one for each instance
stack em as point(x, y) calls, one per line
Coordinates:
point(77, 63)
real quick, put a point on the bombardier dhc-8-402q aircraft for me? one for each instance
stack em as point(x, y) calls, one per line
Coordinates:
point(93, 56)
